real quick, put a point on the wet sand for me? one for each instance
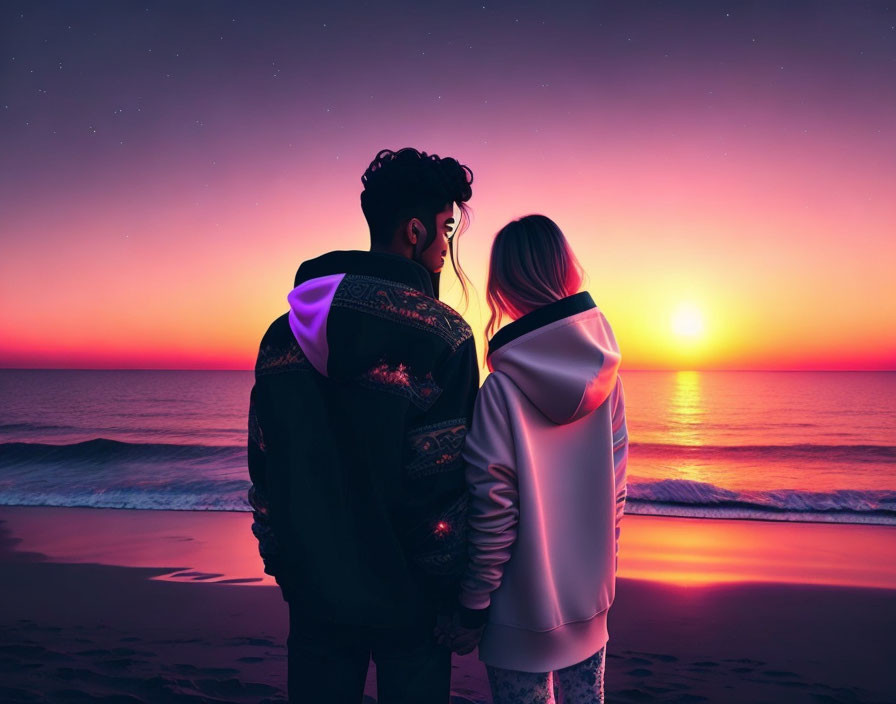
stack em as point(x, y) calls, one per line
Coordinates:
point(135, 606)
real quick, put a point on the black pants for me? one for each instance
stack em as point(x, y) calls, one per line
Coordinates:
point(328, 663)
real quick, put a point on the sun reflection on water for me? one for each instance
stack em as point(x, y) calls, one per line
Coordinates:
point(686, 411)
point(685, 417)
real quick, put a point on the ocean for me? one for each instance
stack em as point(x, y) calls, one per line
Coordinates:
point(786, 446)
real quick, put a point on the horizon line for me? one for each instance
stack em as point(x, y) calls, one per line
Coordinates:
point(206, 369)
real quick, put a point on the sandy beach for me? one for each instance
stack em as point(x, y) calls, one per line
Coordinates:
point(159, 606)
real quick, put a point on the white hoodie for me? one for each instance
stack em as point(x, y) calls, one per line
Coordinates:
point(546, 457)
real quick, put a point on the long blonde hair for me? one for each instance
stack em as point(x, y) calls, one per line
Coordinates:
point(531, 265)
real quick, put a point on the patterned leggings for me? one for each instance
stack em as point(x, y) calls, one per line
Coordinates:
point(578, 684)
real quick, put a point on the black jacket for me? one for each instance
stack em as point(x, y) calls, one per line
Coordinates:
point(355, 435)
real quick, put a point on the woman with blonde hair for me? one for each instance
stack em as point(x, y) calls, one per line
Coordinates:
point(546, 456)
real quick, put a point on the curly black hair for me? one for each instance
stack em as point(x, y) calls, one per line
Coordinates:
point(404, 184)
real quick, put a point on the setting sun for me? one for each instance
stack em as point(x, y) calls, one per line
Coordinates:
point(687, 321)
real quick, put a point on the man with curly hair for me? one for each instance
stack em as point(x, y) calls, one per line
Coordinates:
point(363, 395)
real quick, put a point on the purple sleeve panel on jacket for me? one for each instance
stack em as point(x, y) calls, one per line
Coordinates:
point(620, 455)
point(494, 498)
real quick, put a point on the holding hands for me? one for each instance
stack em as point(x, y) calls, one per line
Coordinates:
point(451, 632)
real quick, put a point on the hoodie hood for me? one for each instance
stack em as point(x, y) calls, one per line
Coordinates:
point(311, 304)
point(309, 310)
point(562, 356)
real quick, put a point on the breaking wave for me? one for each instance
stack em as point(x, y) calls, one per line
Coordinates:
point(105, 473)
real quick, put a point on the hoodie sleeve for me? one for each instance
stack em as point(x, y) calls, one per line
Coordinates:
point(494, 498)
point(620, 455)
point(433, 472)
point(262, 528)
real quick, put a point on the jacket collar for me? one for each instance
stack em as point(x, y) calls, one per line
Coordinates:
point(382, 265)
point(538, 318)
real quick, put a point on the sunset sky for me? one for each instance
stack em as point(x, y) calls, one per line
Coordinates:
point(725, 171)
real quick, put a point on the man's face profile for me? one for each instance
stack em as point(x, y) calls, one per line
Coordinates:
point(433, 257)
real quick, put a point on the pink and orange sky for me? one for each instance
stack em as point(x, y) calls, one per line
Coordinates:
point(166, 168)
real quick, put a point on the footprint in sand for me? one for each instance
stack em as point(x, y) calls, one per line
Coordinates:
point(640, 672)
point(243, 580)
point(661, 657)
point(641, 658)
point(200, 576)
point(653, 689)
point(254, 641)
point(746, 661)
point(187, 669)
point(234, 687)
point(121, 663)
point(634, 695)
point(24, 651)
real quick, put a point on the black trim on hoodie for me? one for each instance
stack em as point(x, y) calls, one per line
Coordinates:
point(538, 318)
point(383, 265)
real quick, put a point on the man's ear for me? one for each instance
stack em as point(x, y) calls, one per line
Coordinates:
point(415, 231)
